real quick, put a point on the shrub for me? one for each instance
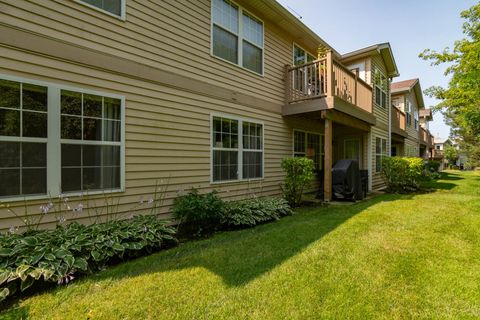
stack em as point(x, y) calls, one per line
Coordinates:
point(402, 174)
point(250, 212)
point(198, 214)
point(60, 255)
point(432, 166)
point(299, 174)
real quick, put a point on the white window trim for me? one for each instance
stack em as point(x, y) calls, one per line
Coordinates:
point(239, 149)
point(322, 143)
point(54, 141)
point(307, 53)
point(239, 40)
point(408, 112)
point(123, 8)
point(383, 153)
point(382, 76)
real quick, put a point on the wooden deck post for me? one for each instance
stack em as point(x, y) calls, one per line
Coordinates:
point(327, 185)
point(330, 76)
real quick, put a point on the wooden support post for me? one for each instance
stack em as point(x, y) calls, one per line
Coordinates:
point(330, 76)
point(327, 185)
point(356, 89)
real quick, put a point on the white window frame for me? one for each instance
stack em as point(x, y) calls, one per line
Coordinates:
point(408, 112)
point(123, 8)
point(383, 79)
point(307, 53)
point(54, 141)
point(240, 39)
point(383, 153)
point(239, 149)
point(322, 144)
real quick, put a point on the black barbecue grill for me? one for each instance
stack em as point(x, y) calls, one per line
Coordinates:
point(346, 180)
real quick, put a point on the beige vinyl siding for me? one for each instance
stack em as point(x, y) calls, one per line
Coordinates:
point(170, 35)
point(167, 134)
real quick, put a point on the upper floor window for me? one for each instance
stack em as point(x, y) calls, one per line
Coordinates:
point(113, 7)
point(309, 145)
point(237, 36)
point(54, 140)
point(408, 112)
point(415, 119)
point(380, 82)
point(237, 149)
point(300, 56)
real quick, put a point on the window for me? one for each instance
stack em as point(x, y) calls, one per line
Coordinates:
point(237, 149)
point(23, 139)
point(112, 7)
point(90, 137)
point(55, 140)
point(415, 117)
point(381, 88)
point(300, 56)
point(380, 152)
point(237, 36)
point(408, 113)
point(310, 145)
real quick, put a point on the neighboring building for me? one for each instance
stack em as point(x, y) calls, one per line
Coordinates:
point(438, 152)
point(115, 97)
point(410, 134)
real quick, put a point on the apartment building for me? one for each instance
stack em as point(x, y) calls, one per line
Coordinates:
point(113, 98)
point(410, 119)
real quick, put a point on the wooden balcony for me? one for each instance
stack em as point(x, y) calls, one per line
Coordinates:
point(398, 122)
point(423, 136)
point(437, 154)
point(327, 84)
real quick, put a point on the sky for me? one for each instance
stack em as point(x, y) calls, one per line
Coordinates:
point(409, 25)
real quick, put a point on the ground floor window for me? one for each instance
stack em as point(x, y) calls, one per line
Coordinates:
point(58, 140)
point(380, 152)
point(237, 149)
point(310, 145)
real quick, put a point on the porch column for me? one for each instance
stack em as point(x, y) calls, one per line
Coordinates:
point(327, 185)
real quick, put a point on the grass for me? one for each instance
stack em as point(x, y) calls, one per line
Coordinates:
point(392, 257)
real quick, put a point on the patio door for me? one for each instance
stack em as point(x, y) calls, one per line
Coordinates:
point(352, 149)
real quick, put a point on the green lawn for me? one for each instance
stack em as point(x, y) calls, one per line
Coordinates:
point(395, 256)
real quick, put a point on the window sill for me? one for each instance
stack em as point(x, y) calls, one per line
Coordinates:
point(67, 194)
point(236, 181)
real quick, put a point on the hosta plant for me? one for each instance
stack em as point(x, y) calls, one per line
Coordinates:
point(61, 254)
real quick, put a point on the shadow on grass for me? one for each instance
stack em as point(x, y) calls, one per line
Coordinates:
point(242, 256)
point(239, 257)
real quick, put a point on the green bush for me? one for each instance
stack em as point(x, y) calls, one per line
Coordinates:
point(299, 174)
point(432, 166)
point(198, 214)
point(250, 212)
point(402, 174)
point(60, 255)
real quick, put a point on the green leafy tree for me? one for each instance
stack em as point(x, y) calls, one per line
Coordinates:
point(460, 101)
point(451, 154)
point(299, 175)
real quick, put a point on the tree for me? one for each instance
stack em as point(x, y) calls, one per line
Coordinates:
point(460, 101)
point(451, 154)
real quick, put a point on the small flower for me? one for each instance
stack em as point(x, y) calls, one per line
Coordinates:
point(78, 208)
point(150, 200)
point(61, 220)
point(44, 209)
point(145, 229)
point(140, 201)
point(13, 229)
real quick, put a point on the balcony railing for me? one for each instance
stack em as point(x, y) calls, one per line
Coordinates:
point(423, 135)
point(437, 154)
point(327, 78)
point(398, 118)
